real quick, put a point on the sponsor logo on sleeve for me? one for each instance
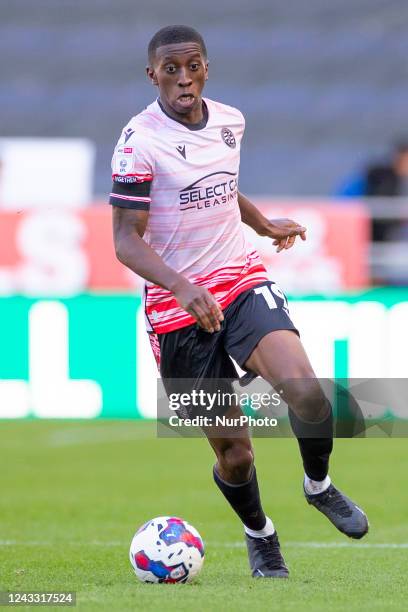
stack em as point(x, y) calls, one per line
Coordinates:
point(125, 150)
point(124, 160)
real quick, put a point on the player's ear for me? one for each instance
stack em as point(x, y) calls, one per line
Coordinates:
point(206, 71)
point(151, 75)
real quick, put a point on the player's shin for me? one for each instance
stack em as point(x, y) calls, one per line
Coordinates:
point(244, 498)
point(316, 444)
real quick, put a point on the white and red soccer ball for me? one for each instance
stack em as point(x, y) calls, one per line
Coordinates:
point(166, 549)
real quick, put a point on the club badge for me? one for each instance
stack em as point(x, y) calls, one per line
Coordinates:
point(228, 137)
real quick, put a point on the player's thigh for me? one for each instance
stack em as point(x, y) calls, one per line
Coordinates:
point(252, 316)
point(263, 339)
point(193, 360)
point(280, 355)
point(281, 359)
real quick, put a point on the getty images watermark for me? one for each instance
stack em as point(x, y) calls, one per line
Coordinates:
point(223, 407)
point(199, 400)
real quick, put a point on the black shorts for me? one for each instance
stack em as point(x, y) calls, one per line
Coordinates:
point(192, 353)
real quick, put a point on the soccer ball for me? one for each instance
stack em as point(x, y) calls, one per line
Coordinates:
point(166, 549)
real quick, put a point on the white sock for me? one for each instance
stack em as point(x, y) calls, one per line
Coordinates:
point(314, 487)
point(268, 530)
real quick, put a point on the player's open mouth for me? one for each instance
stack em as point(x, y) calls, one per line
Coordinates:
point(186, 100)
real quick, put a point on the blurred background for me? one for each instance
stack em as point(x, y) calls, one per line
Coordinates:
point(323, 86)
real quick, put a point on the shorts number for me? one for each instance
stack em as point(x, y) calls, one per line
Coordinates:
point(269, 293)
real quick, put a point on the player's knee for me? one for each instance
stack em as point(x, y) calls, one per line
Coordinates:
point(237, 460)
point(309, 403)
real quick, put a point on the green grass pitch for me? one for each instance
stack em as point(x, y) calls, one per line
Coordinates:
point(73, 494)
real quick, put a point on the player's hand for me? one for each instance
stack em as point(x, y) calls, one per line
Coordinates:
point(284, 232)
point(200, 304)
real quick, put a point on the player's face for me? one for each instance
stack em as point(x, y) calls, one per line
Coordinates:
point(180, 71)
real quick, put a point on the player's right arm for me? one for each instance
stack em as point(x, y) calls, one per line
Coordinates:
point(133, 169)
point(129, 225)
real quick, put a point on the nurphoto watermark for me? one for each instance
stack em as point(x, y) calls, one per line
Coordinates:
point(310, 407)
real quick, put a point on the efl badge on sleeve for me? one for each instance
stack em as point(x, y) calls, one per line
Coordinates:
point(124, 159)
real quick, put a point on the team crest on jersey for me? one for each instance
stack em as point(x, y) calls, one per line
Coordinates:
point(228, 137)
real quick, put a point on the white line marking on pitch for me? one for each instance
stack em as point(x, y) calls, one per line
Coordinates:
point(213, 545)
point(318, 544)
point(58, 543)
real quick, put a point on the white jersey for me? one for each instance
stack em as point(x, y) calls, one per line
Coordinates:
point(194, 220)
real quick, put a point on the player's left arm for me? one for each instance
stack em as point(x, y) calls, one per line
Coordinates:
point(282, 231)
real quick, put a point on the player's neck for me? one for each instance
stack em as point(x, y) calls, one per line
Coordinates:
point(196, 118)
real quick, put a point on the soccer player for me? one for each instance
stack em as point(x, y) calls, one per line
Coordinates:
point(177, 219)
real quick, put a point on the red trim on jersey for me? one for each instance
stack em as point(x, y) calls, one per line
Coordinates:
point(217, 277)
point(223, 288)
point(179, 318)
point(143, 177)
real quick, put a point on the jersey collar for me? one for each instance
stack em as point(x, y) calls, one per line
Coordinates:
point(193, 127)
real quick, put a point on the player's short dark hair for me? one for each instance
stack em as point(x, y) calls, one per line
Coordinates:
point(174, 34)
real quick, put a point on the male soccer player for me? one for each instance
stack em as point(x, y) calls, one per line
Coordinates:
point(177, 219)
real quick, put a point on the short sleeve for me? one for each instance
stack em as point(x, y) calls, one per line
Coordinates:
point(241, 128)
point(132, 172)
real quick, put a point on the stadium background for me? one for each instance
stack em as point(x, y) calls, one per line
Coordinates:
point(323, 88)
